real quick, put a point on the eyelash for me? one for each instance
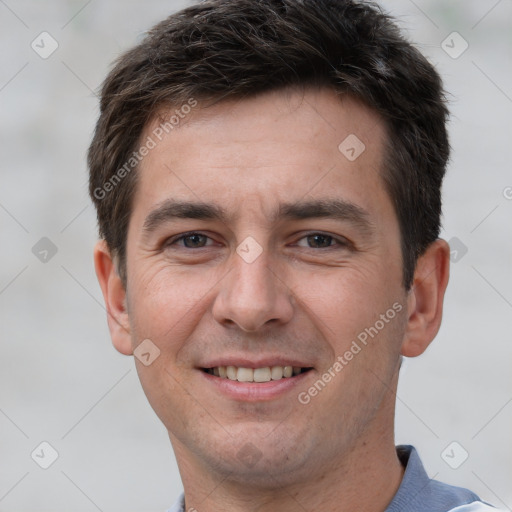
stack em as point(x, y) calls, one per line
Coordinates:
point(341, 242)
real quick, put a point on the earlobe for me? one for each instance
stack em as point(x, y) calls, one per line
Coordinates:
point(114, 295)
point(425, 299)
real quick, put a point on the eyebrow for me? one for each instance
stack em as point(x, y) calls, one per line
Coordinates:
point(336, 209)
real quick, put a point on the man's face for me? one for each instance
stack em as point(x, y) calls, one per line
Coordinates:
point(272, 284)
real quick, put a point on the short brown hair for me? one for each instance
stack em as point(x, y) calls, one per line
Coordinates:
point(223, 49)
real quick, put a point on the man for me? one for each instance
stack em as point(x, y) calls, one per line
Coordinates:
point(267, 180)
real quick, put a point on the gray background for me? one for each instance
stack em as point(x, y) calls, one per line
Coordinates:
point(60, 379)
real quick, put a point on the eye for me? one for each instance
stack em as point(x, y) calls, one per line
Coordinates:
point(190, 240)
point(322, 241)
point(196, 240)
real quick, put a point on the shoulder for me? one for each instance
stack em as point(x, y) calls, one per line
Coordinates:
point(179, 506)
point(420, 493)
point(476, 506)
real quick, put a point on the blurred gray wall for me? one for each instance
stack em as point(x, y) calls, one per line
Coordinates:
point(61, 382)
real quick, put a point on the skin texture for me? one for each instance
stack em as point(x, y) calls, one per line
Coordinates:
point(297, 299)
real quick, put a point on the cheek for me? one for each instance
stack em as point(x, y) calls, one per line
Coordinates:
point(346, 302)
point(166, 391)
point(166, 303)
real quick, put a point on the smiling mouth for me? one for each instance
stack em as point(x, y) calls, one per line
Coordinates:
point(265, 374)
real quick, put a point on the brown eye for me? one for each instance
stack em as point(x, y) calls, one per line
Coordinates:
point(194, 240)
point(189, 241)
point(321, 241)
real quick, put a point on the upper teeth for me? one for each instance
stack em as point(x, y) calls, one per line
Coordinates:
point(265, 374)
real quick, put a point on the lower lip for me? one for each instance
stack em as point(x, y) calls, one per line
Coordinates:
point(255, 391)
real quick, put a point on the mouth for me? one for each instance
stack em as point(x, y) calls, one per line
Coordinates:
point(257, 375)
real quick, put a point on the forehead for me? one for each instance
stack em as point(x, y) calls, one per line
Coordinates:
point(265, 150)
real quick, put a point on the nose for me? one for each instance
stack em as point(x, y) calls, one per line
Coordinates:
point(253, 294)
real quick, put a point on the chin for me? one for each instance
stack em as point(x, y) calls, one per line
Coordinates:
point(259, 456)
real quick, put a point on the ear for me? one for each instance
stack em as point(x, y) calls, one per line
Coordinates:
point(425, 299)
point(114, 295)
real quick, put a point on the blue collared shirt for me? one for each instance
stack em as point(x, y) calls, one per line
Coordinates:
point(417, 492)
